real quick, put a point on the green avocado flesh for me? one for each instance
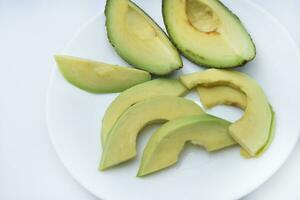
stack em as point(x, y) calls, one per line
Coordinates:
point(98, 77)
point(269, 141)
point(212, 96)
point(157, 87)
point(208, 33)
point(120, 145)
point(138, 39)
point(252, 130)
point(167, 142)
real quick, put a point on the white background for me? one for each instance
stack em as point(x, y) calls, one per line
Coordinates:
point(30, 33)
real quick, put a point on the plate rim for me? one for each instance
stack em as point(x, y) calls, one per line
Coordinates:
point(87, 23)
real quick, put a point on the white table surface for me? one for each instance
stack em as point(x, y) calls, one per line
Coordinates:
point(30, 33)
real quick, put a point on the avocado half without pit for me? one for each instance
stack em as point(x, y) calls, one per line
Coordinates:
point(208, 33)
point(252, 130)
point(120, 144)
point(138, 39)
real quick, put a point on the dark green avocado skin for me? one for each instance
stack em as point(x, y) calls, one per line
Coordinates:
point(196, 58)
point(117, 50)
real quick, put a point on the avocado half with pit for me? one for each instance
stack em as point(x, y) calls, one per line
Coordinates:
point(98, 77)
point(252, 130)
point(120, 145)
point(157, 87)
point(208, 33)
point(216, 95)
point(165, 145)
point(138, 39)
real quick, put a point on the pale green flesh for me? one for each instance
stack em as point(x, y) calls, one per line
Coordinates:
point(157, 87)
point(120, 145)
point(138, 39)
point(212, 96)
point(207, 33)
point(165, 145)
point(269, 142)
point(252, 130)
point(98, 77)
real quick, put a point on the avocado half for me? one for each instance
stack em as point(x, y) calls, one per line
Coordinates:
point(165, 145)
point(140, 92)
point(208, 33)
point(252, 130)
point(98, 77)
point(120, 144)
point(138, 39)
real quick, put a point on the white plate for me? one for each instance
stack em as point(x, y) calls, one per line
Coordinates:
point(74, 120)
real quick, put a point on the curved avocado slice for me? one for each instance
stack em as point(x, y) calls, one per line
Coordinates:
point(167, 142)
point(252, 130)
point(212, 96)
point(208, 33)
point(120, 145)
point(98, 77)
point(138, 39)
point(269, 141)
point(157, 87)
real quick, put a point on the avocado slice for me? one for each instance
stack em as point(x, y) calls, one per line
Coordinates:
point(252, 130)
point(120, 145)
point(138, 39)
point(157, 87)
point(208, 33)
point(167, 142)
point(98, 77)
point(212, 96)
point(269, 141)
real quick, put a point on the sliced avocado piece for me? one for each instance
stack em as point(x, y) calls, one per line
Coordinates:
point(252, 130)
point(212, 96)
point(120, 145)
point(157, 87)
point(167, 142)
point(208, 33)
point(98, 77)
point(138, 39)
point(269, 142)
